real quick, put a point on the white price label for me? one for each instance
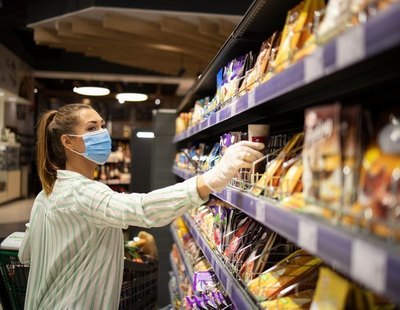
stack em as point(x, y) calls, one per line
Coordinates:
point(218, 116)
point(368, 265)
point(228, 287)
point(233, 107)
point(252, 98)
point(260, 212)
point(350, 47)
point(208, 122)
point(308, 236)
point(314, 65)
point(228, 194)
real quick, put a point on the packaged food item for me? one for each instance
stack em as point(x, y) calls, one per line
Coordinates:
point(283, 274)
point(265, 56)
point(322, 160)
point(337, 17)
point(298, 301)
point(351, 155)
point(270, 178)
point(332, 291)
point(379, 188)
point(295, 32)
point(295, 201)
point(291, 180)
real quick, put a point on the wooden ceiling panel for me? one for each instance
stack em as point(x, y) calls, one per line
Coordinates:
point(168, 45)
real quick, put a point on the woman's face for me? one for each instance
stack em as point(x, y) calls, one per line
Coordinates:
point(89, 121)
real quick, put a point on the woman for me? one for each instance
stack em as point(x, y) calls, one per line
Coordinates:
point(74, 241)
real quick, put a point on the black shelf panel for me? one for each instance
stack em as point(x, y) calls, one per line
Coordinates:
point(367, 259)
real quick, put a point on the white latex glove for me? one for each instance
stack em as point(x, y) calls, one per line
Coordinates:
point(239, 155)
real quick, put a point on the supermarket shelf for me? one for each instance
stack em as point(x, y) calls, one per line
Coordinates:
point(184, 174)
point(320, 75)
point(366, 258)
point(238, 295)
point(188, 267)
point(176, 275)
point(171, 292)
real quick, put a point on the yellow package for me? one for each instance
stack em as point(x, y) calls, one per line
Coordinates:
point(331, 292)
point(297, 301)
point(283, 274)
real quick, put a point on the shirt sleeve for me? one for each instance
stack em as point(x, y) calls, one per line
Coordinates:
point(102, 206)
point(24, 253)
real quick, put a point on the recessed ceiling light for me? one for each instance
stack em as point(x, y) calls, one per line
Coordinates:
point(91, 91)
point(136, 97)
point(145, 134)
point(157, 101)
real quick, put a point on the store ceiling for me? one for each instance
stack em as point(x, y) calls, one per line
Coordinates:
point(158, 46)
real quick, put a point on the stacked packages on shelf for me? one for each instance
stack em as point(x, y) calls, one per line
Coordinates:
point(203, 291)
point(277, 274)
point(344, 167)
point(308, 25)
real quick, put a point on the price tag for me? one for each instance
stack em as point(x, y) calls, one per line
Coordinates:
point(314, 65)
point(228, 287)
point(308, 236)
point(368, 265)
point(260, 212)
point(228, 194)
point(252, 98)
point(218, 116)
point(350, 47)
point(234, 107)
point(209, 122)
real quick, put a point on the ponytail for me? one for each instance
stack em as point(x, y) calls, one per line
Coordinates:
point(50, 152)
point(46, 168)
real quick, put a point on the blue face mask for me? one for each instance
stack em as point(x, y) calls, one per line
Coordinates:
point(97, 146)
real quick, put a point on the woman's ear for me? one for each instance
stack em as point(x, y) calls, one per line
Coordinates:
point(66, 141)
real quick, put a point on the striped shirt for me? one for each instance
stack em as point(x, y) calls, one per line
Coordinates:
point(74, 241)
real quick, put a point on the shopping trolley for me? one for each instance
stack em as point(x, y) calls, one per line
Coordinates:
point(139, 286)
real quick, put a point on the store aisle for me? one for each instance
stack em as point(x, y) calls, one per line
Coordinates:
point(14, 215)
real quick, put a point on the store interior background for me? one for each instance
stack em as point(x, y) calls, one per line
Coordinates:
point(154, 47)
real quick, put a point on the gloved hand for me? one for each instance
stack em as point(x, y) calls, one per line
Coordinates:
point(239, 155)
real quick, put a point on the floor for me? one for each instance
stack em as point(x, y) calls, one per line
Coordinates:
point(14, 215)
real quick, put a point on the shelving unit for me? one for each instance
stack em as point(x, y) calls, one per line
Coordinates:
point(238, 295)
point(338, 246)
point(176, 275)
point(360, 61)
point(323, 74)
point(188, 266)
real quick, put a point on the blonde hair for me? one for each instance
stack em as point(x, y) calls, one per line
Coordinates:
point(50, 153)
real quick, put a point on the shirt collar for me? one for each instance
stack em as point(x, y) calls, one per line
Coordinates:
point(68, 174)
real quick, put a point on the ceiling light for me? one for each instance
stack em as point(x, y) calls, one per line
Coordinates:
point(91, 91)
point(157, 101)
point(35, 90)
point(145, 134)
point(131, 97)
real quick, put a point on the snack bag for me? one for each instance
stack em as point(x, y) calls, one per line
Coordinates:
point(298, 301)
point(322, 176)
point(331, 292)
point(286, 272)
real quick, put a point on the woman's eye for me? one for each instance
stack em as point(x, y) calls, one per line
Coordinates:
point(103, 126)
point(92, 128)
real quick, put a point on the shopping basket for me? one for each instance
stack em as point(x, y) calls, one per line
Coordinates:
point(139, 286)
point(13, 280)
